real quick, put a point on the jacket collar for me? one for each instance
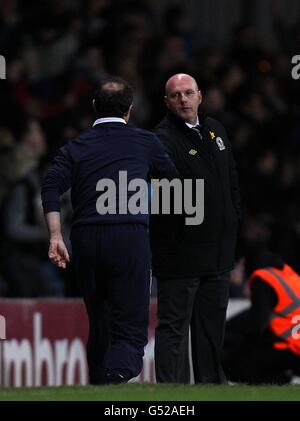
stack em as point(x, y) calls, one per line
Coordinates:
point(109, 120)
point(181, 124)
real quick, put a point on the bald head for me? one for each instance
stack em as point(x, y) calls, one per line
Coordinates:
point(183, 97)
point(180, 78)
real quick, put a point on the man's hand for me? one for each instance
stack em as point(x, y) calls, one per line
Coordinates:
point(58, 253)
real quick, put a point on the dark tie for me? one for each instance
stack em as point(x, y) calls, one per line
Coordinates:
point(197, 129)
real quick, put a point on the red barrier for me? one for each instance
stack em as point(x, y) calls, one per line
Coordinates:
point(45, 343)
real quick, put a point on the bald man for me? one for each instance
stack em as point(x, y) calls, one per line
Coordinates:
point(192, 262)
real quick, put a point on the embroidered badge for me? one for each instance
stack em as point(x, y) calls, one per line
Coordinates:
point(193, 152)
point(220, 143)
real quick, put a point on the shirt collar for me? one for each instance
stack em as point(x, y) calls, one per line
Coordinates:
point(109, 120)
point(193, 125)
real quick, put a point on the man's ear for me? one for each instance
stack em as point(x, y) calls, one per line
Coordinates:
point(127, 114)
point(129, 110)
point(200, 97)
point(166, 101)
point(94, 106)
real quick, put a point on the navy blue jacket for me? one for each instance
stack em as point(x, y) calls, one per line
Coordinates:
point(101, 152)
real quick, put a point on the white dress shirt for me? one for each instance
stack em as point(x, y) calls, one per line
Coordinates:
point(190, 126)
point(109, 120)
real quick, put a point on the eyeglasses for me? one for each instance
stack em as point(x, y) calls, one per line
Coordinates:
point(175, 96)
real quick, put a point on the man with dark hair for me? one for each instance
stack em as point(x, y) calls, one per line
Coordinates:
point(192, 262)
point(109, 244)
point(115, 99)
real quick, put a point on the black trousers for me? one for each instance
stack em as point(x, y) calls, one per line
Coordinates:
point(199, 303)
point(112, 267)
point(254, 360)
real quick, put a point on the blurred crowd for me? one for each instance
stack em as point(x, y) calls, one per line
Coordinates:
point(56, 53)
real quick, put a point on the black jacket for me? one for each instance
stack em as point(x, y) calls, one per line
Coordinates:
point(181, 250)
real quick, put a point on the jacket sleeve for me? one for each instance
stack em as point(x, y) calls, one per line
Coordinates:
point(161, 165)
point(163, 137)
point(234, 186)
point(57, 181)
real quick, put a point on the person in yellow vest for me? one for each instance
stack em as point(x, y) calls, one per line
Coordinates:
point(262, 344)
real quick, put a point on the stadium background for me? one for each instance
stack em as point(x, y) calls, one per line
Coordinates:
point(56, 52)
